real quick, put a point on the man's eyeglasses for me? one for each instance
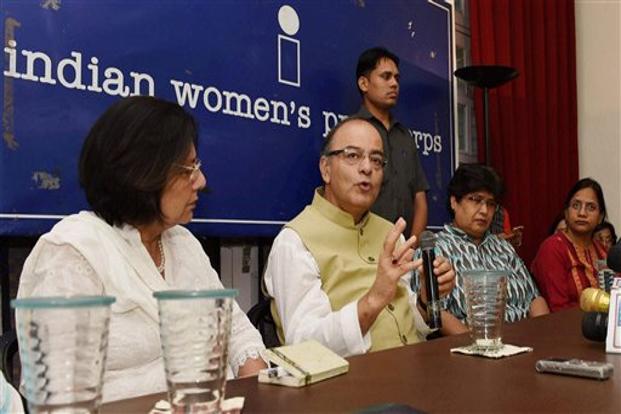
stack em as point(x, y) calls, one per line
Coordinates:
point(192, 170)
point(479, 201)
point(354, 155)
point(589, 207)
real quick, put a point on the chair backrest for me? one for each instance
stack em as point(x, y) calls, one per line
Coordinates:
point(260, 316)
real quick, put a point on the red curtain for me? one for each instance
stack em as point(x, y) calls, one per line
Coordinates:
point(533, 119)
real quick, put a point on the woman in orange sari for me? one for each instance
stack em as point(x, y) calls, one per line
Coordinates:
point(568, 261)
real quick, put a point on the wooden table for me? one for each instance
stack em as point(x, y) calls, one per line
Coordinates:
point(430, 378)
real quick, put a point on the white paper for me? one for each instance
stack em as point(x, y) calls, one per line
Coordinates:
point(506, 350)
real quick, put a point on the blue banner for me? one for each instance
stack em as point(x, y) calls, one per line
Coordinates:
point(266, 80)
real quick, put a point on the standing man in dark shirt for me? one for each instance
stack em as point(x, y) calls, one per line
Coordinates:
point(404, 187)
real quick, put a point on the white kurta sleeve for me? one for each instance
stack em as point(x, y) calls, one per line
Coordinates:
point(58, 270)
point(245, 342)
point(292, 279)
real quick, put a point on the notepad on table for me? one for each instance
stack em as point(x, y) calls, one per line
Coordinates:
point(302, 364)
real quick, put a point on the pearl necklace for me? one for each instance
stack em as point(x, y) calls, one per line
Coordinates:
point(162, 266)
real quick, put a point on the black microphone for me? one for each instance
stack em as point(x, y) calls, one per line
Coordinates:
point(427, 244)
point(614, 257)
point(595, 326)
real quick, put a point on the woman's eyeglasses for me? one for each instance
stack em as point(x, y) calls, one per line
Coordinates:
point(478, 201)
point(192, 170)
point(589, 207)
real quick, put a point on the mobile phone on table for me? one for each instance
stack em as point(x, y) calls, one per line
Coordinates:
point(575, 367)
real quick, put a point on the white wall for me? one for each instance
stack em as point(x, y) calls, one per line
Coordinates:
point(598, 66)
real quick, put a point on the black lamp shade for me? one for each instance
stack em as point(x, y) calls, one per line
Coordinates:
point(486, 76)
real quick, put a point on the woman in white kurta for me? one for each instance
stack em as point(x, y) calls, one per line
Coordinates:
point(140, 173)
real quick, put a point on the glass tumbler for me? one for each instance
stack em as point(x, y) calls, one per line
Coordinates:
point(486, 297)
point(194, 329)
point(62, 347)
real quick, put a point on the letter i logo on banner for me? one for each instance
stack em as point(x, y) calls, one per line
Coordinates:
point(288, 47)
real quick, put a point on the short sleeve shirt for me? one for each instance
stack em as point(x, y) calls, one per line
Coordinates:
point(493, 253)
point(403, 175)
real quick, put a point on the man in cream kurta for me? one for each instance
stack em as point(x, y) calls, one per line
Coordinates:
point(339, 274)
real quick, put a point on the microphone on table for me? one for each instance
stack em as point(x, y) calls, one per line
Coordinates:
point(594, 300)
point(427, 245)
point(595, 326)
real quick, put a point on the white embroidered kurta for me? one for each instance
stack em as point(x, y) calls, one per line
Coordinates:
point(83, 255)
